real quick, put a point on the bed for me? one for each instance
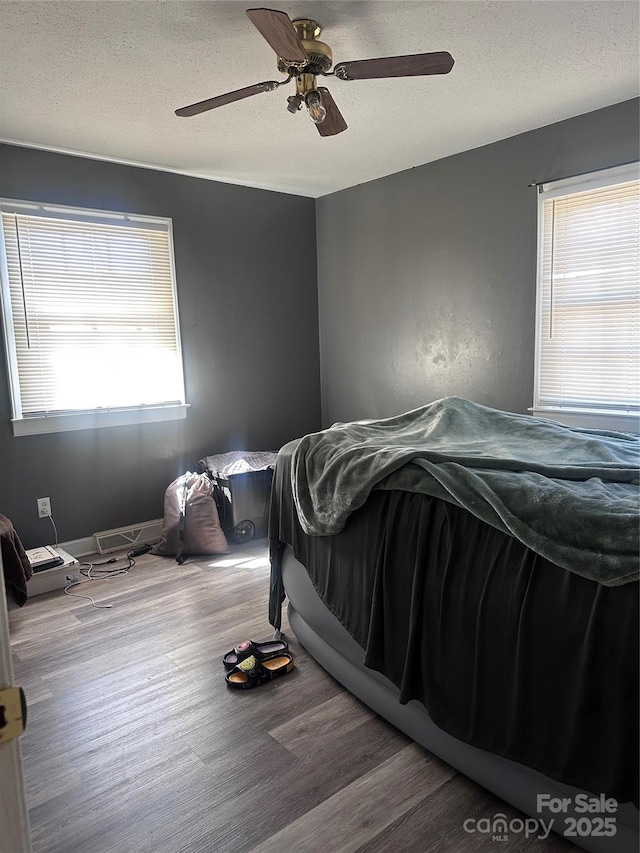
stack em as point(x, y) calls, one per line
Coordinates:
point(472, 576)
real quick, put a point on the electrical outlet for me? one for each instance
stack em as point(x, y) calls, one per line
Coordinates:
point(44, 507)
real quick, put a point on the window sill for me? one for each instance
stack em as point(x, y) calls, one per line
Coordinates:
point(98, 419)
point(590, 419)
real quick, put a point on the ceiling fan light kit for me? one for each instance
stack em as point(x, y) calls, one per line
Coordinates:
point(317, 111)
point(301, 56)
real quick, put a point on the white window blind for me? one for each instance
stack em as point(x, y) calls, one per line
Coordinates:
point(588, 323)
point(90, 312)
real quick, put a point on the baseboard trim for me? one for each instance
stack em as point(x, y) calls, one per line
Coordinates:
point(81, 547)
point(89, 545)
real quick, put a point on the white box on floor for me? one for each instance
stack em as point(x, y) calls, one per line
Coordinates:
point(56, 578)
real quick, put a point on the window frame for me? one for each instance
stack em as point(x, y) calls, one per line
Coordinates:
point(91, 418)
point(592, 418)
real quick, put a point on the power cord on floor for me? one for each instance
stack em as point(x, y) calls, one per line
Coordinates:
point(88, 571)
point(55, 529)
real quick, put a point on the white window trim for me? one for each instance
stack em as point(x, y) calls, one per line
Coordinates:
point(97, 418)
point(589, 418)
point(590, 180)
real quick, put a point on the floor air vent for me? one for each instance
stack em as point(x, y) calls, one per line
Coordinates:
point(127, 537)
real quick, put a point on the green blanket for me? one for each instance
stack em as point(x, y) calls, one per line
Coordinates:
point(570, 494)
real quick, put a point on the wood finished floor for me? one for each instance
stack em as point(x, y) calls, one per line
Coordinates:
point(135, 745)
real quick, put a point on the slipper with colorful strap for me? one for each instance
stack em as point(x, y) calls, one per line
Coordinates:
point(260, 651)
point(252, 673)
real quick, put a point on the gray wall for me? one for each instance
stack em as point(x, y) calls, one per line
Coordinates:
point(246, 272)
point(427, 278)
point(425, 288)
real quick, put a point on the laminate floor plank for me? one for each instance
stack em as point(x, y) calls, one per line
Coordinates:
point(272, 804)
point(135, 744)
point(341, 713)
point(58, 767)
point(115, 813)
point(33, 684)
point(360, 810)
point(278, 702)
point(437, 825)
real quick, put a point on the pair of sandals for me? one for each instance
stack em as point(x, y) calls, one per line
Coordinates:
point(251, 664)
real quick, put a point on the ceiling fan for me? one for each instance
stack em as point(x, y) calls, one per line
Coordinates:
point(302, 57)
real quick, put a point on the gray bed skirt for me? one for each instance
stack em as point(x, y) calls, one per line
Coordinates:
point(335, 649)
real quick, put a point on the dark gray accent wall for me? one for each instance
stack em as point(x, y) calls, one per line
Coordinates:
point(246, 275)
point(427, 278)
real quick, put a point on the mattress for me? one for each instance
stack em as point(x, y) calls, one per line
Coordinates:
point(516, 653)
point(322, 634)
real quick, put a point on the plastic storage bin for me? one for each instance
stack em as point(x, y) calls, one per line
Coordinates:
point(242, 487)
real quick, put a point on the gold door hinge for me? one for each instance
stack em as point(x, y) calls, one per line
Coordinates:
point(13, 713)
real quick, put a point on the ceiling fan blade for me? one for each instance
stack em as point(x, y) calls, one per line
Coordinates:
point(228, 98)
point(333, 122)
point(277, 29)
point(414, 65)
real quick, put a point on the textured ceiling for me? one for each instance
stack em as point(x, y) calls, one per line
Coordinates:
point(103, 79)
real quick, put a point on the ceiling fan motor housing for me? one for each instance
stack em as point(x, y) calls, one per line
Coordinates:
point(320, 56)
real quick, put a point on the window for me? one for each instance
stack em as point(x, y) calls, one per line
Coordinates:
point(588, 312)
point(90, 318)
